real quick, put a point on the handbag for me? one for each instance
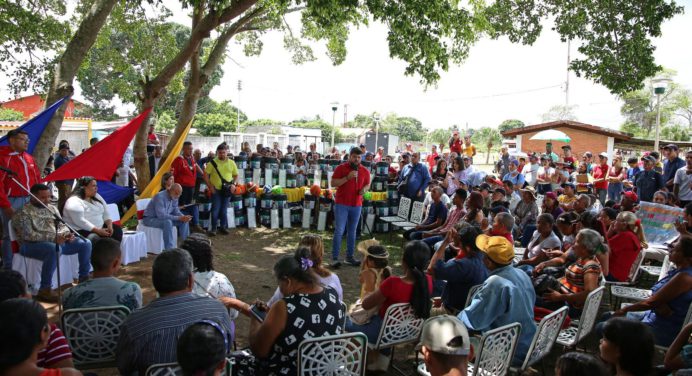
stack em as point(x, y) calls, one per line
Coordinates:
point(225, 185)
point(360, 315)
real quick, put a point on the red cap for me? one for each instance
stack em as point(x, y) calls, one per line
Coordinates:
point(631, 195)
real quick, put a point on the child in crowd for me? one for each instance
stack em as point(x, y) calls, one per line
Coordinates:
point(374, 268)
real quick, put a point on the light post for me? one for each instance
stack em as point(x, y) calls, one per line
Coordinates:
point(376, 117)
point(659, 84)
point(335, 106)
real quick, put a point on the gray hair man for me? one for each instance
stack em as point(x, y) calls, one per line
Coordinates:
point(163, 212)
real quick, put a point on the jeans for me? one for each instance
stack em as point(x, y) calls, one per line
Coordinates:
point(185, 199)
point(16, 203)
point(166, 225)
point(345, 219)
point(431, 241)
point(527, 234)
point(614, 191)
point(219, 205)
point(602, 195)
point(413, 234)
point(45, 251)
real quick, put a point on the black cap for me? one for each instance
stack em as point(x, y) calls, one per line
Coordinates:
point(671, 147)
point(567, 147)
point(501, 190)
point(485, 186)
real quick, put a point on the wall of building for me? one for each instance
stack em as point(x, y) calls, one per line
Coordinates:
point(582, 142)
point(32, 105)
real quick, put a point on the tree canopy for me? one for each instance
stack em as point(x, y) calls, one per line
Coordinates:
point(8, 114)
point(510, 124)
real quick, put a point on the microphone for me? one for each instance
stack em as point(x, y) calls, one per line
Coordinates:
point(8, 171)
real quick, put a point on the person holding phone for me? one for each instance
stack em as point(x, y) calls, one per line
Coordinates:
point(306, 310)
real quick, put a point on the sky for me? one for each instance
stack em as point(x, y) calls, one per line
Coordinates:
point(498, 81)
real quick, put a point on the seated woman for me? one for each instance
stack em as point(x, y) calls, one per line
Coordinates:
point(567, 224)
point(324, 277)
point(474, 206)
point(414, 287)
point(86, 212)
point(525, 214)
point(25, 331)
point(582, 277)
point(207, 281)
point(625, 239)
point(578, 364)
point(590, 221)
point(307, 310)
point(543, 240)
point(551, 205)
point(628, 346)
point(202, 348)
point(167, 181)
point(460, 274)
point(665, 310)
point(440, 173)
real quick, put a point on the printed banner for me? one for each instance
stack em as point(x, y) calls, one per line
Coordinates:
point(658, 221)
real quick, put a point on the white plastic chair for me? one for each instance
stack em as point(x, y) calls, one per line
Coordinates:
point(659, 271)
point(134, 244)
point(472, 292)
point(415, 219)
point(93, 333)
point(399, 326)
point(30, 268)
point(403, 212)
point(173, 369)
point(154, 235)
point(571, 336)
point(496, 350)
point(343, 354)
point(544, 339)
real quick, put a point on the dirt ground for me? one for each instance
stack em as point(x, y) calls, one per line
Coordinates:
point(247, 257)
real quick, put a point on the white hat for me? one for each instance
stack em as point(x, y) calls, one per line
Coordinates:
point(446, 335)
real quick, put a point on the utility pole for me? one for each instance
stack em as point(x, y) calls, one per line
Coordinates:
point(569, 45)
point(240, 87)
point(345, 114)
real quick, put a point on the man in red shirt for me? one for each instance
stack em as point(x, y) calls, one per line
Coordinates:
point(431, 158)
point(12, 197)
point(152, 140)
point(351, 180)
point(185, 171)
point(455, 143)
point(600, 178)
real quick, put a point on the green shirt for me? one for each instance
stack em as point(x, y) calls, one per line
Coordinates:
point(227, 168)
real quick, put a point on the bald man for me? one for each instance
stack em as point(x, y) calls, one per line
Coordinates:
point(163, 212)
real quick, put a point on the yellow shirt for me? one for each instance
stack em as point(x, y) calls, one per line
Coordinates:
point(563, 199)
point(228, 170)
point(470, 150)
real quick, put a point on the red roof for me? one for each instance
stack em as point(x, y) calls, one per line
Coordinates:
point(568, 124)
point(33, 104)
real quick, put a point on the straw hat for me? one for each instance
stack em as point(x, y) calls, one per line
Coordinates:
point(365, 244)
point(529, 189)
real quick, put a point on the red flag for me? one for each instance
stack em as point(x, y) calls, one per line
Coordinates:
point(101, 160)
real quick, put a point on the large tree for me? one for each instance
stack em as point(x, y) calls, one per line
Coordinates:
point(490, 137)
point(510, 124)
point(639, 106)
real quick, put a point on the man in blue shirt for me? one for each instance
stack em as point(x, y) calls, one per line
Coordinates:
point(437, 215)
point(671, 165)
point(516, 177)
point(506, 297)
point(632, 171)
point(649, 181)
point(163, 212)
point(418, 178)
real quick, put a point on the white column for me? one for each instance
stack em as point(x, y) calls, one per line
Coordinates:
point(611, 148)
point(518, 138)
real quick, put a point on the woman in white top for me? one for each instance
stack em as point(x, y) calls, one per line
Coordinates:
point(87, 212)
point(543, 240)
point(208, 282)
point(324, 276)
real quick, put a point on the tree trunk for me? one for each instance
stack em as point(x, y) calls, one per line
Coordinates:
point(66, 69)
point(153, 89)
point(487, 156)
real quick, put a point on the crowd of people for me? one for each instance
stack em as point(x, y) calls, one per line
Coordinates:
point(576, 221)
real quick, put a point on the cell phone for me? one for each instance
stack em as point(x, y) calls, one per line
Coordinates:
point(257, 313)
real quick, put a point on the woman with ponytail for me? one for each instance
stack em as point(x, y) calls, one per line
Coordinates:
point(625, 239)
point(414, 287)
point(307, 309)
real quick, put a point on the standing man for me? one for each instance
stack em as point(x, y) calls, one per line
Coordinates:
point(12, 197)
point(455, 145)
point(567, 155)
point(185, 170)
point(152, 140)
point(64, 186)
point(682, 185)
point(417, 178)
point(549, 151)
point(218, 171)
point(469, 148)
point(163, 212)
point(600, 178)
point(154, 160)
point(431, 158)
point(197, 155)
point(649, 181)
point(351, 180)
point(379, 155)
point(671, 165)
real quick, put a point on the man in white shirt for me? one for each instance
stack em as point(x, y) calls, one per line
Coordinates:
point(530, 171)
point(682, 183)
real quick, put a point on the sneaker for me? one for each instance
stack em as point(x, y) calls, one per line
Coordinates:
point(353, 262)
point(197, 229)
point(336, 264)
point(211, 233)
point(224, 231)
point(46, 296)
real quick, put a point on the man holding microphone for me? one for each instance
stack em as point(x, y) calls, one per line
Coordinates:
point(351, 180)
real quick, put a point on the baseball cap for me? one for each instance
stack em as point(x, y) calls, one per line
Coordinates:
point(485, 186)
point(649, 158)
point(501, 190)
point(515, 162)
point(446, 335)
point(631, 195)
point(671, 147)
point(588, 154)
point(551, 195)
point(604, 155)
point(497, 248)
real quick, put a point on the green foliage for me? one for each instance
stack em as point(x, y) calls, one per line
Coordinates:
point(131, 46)
point(510, 124)
point(559, 112)
point(31, 34)
point(317, 122)
point(260, 122)
point(218, 117)
point(675, 132)
point(683, 105)
point(639, 106)
point(407, 128)
point(165, 120)
point(8, 114)
point(439, 136)
point(490, 137)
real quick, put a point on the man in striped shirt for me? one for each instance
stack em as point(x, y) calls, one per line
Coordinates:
point(149, 335)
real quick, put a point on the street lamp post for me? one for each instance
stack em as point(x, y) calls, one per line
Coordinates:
point(659, 84)
point(376, 117)
point(335, 106)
